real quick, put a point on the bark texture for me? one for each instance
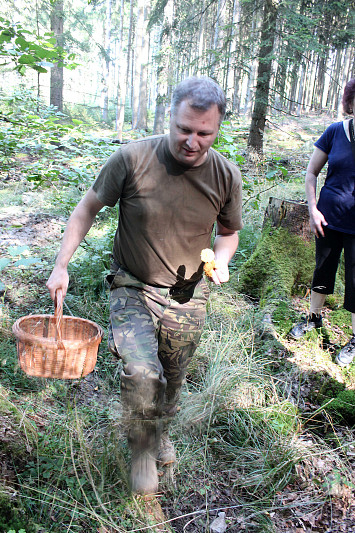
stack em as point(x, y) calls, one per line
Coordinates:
point(268, 31)
point(57, 74)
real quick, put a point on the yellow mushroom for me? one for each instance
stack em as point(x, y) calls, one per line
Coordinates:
point(207, 256)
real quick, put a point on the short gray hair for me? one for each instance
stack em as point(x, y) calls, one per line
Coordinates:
point(201, 93)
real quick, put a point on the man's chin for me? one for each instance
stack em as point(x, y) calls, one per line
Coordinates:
point(192, 159)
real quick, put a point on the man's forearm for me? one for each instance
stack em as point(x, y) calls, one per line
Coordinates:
point(225, 247)
point(78, 225)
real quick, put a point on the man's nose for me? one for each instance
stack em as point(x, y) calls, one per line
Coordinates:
point(191, 140)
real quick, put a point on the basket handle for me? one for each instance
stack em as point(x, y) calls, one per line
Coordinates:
point(58, 315)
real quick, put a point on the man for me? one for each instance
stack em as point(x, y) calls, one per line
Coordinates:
point(172, 189)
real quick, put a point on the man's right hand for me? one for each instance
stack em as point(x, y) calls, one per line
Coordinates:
point(59, 279)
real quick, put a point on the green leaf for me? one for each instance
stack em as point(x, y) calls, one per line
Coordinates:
point(5, 36)
point(27, 261)
point(4, 261)
point(23, 44)
point(39, 69)
point(14, 251)
point(27, 59)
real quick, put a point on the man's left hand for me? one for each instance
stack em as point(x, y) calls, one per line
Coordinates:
point(220, 274)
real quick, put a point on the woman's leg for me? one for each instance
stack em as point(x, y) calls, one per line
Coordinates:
point(317, 302)
point(347, 354)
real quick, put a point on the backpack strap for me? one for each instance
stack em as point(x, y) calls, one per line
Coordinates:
point(352, 136)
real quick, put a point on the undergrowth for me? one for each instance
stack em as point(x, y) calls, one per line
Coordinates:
point(243, 436)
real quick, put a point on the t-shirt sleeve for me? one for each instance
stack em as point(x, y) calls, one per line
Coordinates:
point(111, 178)
point(325, 141)
point(230, 215)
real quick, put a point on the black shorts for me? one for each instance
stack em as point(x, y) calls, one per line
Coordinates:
point(328, 251)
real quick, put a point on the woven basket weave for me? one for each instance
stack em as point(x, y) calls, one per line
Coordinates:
point(58, 346)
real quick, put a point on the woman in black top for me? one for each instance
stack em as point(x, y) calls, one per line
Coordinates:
point(332, 220)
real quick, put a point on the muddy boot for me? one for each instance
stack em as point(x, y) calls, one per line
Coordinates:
point(144, 439)
point(166, 452)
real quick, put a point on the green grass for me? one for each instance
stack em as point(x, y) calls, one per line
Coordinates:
point(244, 434)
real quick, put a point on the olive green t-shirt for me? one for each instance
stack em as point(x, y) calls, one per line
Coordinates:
point(167, 211)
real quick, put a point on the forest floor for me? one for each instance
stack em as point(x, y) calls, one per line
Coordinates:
point(319, 497)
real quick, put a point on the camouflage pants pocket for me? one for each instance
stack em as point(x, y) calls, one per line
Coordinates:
point(176, 349)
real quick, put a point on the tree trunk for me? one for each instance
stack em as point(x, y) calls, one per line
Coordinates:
point(217, 35)
point(334, 86)
point(300, 96)
point(122, 87)
point(163, 69)
point(57, 74)
point(319, 85)
point(294, 82)
point(142, 116)
point(268, 30)
point(139, 107)
point(283, 261)
point(289, 214)
point(251, 70)
point(231, 76)
point(107, 62)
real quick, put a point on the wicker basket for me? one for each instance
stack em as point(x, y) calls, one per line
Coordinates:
point(58, 346)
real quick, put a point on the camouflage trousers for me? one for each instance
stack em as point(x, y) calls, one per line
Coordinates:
point(155, 331)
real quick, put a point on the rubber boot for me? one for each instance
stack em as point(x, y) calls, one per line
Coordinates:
point(144, 439)
point(166, 452)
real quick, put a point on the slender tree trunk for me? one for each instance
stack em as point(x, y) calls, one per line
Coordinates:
point(124, 73)
point(201, 37)
point(268, 30)
point(251, 68)
point(141, 69)
point(137, 60)
point(348, 73)
point(231, 55)
point(320, 83)
point(57, 74)
point(163, 69)
point(294, 83)
point(217, 35)
point(307, 86)
point(300, 89)
point(107, 62)
point(334, 85)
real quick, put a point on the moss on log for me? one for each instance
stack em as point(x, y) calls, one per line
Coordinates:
point(283, 260)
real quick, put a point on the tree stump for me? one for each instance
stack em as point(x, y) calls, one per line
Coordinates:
point(289, 214)
point(283, 261)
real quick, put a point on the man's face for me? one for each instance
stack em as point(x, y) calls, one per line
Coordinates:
point(192, 133)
